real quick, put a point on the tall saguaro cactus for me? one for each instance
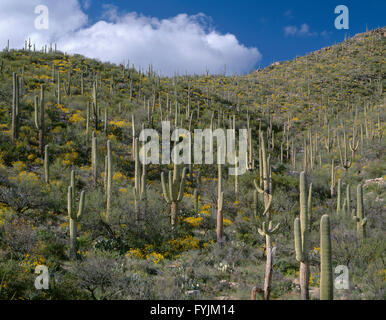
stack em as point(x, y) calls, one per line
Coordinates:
point(343, 156)
point(220, 202)
point(94, 158)
point(267, 230)
point(109, 180)
point(173, 191)
point(74, 218)
point(360, 214)
point(46, 165)
point(332, 184)
point(15, 107)
point(326, 281)
point(39, 121)
point(302, 233)
point(339, 197)
point(139, 190)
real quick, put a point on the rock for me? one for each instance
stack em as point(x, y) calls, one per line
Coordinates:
point(193, 293)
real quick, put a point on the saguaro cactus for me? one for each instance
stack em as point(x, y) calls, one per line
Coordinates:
point(46, 165)
point(74, 218)
point(173, 192)
point(326, 280)
point(94, 158)
point(267, 229)
point(348, 198)
point(343, 156)
point(39, 123)
point(339, 197)
point(109, 180)
point(15, 107)
point(332, 185)
point(255, 205)
point(360, 215)
point(139, 190)
point(220, 202)
point(196, 196)
point(301, 230)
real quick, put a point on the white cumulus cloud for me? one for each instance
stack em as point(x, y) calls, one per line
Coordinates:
point(179, 44)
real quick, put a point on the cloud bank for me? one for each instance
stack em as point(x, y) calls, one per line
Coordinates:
point(179, 44)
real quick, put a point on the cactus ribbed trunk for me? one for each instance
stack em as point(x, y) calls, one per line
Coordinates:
point(268, 268)
point(41, 127)
point(46, 165)
point(94, 158)
point(109, 180)
point(73, 231)
point(174, 213)
point(301, 233)
point(326, 281)
point(15, 108)
point(338, 199)
point(304, 280)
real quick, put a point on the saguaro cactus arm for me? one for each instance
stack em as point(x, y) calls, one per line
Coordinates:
point(164, 188)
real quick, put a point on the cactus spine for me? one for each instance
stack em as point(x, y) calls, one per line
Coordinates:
point(360, 215)
point(173, 191)
point(301, 231)
point(74, 218)
point(326, 281)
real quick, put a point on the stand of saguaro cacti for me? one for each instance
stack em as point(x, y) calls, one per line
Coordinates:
point(326, 276)
point(74, 218)
point(139, 190)
point(267, 230)
point(173, 191)
point(302, 234)
point(359, 218)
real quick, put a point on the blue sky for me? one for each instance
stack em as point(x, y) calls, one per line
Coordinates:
point(185, 36)
point(261, 23)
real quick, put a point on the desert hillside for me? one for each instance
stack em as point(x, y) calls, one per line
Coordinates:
point(75, 198)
